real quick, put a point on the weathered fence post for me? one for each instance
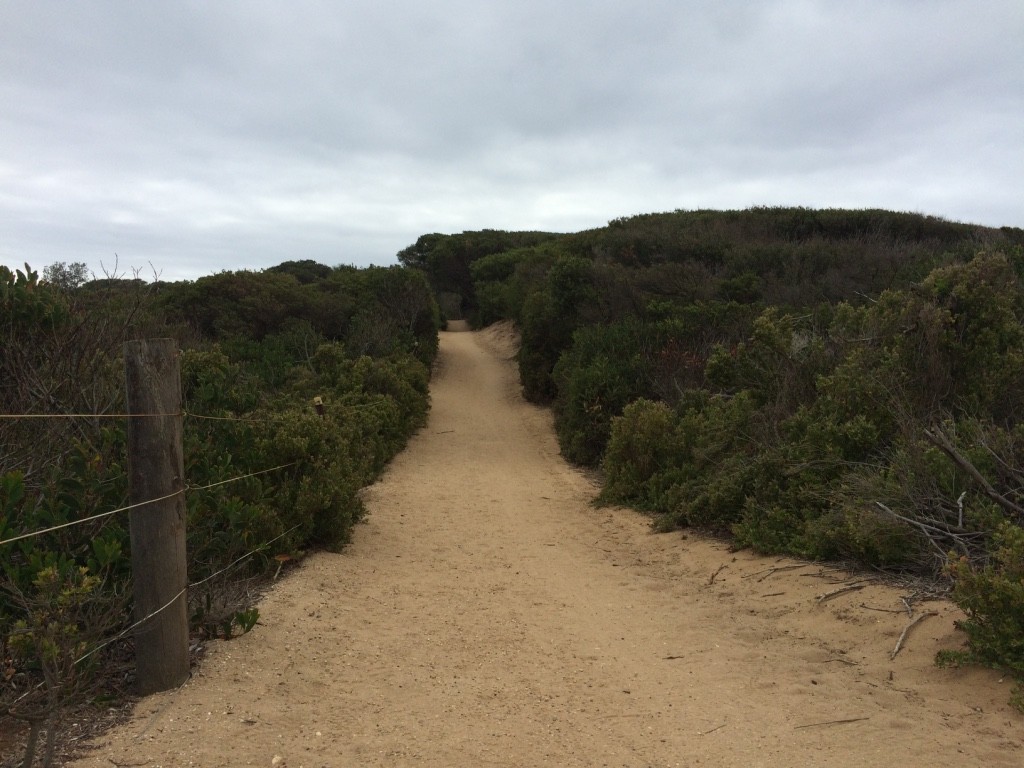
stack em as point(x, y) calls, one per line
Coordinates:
point(156, 469)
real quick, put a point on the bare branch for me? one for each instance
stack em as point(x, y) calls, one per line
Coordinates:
point(906, 630)
point(937, 438)
point(841, 591)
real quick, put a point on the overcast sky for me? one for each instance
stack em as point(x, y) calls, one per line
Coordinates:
point(202, 136)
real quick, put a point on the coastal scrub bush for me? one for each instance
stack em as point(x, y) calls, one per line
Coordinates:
point(992, 597)
point(551, 315)
point(694, 465)
point(643, 444)
point(606, 368)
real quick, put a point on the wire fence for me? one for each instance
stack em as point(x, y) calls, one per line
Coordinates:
point(89, 519)
point(183, 413)
point(186, 489)
point(13, 416)
point(132, 627)
point(129, 507)
point(123, 633)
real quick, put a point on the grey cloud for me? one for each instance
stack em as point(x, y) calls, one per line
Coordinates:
point(222, 135)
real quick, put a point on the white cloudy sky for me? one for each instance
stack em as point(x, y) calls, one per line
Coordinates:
point(197, 136)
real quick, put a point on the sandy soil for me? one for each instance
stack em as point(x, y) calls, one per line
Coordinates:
point(488, 615)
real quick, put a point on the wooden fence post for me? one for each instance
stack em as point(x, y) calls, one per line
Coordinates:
point(156, 469)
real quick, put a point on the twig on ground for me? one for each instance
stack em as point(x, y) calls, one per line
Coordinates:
point(906, 630)
point(841, 591)
point(281, 560)
point(775, 569)
point(833, 722)
point(882, 610)
point(715, 574)
point(705, 733)
point(827, 574)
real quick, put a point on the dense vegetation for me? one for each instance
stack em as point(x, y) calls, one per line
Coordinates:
point(829, 384)
point(257, 348)
point(446, 263)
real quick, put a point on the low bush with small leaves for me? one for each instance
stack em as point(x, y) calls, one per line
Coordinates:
point(992, 597)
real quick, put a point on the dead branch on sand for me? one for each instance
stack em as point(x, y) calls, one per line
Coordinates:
point(906, 630)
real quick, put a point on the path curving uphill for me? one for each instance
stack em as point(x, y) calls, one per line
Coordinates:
point(488, 615)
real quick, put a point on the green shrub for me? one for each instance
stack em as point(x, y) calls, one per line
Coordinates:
point(642, 446)
point(695, 465)
point(604, 370)
point(542, 339)
point(992, 597)
point(551, 315)
point(865, 535)
point(502, 281)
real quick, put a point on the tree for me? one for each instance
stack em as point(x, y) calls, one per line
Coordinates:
point(305, 271)
point(66, 276)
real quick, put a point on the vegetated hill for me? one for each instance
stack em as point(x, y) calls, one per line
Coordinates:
point(445, 259)
point(832, 384)
point(779, 255)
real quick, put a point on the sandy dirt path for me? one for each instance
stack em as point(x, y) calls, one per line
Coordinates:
point(488, 615)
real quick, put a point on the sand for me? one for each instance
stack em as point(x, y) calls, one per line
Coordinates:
point(487, 614)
